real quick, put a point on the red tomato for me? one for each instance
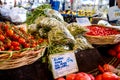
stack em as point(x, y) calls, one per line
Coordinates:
point(26, 45)
point(112, 52)
point(119, 78)
point(33, 45)
point(11, 48)
point(40, 40)
point(2, 38)
point(91, 76)
point(15, 37)
point(70, 76)
point(21, 40)
point(117, 48)
point(10, 32)
point(118, 55)
point(109, 76)
point(98, 77)
point(15, 44)
point(6, 27)
point(60, 78)
point(82, 76)
point(17, 48)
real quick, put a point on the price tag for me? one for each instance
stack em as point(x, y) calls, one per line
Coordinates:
point(63, 64)
point(83, 21)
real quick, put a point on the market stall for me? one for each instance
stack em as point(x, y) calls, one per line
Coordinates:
point(40, 43)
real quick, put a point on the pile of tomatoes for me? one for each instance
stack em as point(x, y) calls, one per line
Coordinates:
point(101, 31)
point(108, 72)
point(78, 76)
point(12, 38)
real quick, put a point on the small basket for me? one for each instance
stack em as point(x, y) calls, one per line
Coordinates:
point(103, 40)
point(11, 60)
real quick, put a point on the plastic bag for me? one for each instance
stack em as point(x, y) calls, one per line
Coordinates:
point(18, 15)
point(54, 14)
point(75, 29)
point(5, 11)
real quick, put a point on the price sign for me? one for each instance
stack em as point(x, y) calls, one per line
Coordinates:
point(63, 64)
point(83, 21)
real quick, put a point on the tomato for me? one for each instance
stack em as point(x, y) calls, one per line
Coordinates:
point(82, 76)
point(6, 27)
point(17, 48)
point(61, 78)
point(26, 45)
point(109, 76)
point(40, 40)
point(2, 38)
point(33, 45)
point(21, 40)
point(15, 44)
point(117, 48)
point(15, 37)
point(98, 77)
point(112, 52)
point(119, 78)
point(70, 76)
point(11, 48)
point(9, 32)
point(91, 76)
point(118, 55)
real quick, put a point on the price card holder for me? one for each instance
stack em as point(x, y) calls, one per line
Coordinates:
point(63, 64)
point(83, 21)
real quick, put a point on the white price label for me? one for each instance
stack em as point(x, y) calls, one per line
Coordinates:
point(83, 21)
point(63, 64)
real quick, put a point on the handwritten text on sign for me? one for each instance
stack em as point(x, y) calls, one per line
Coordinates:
point(63, 64)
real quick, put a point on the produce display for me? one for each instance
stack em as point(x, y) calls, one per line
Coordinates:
point(46, 27)
point(61, 36)
point(14, 39)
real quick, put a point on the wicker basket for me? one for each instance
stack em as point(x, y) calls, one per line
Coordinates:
point(18, 59)
point(103, 40)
